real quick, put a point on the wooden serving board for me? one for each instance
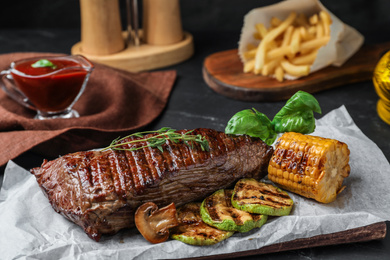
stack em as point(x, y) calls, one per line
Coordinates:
point(144, 57)
point(223, 72)
point(361, 234)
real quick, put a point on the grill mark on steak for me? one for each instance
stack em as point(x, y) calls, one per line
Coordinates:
point(220, 147)
point(120, 176)
point(167, 160)
point(120, 168)
point(102, 179)
point(186, 155)
point(216, 143)
point(196, 159)
point(138, 181)
point(175, 154)
point(139, 176)
point(151, 164)
point(100, 190)
point(141, 168)
point(157, 162)
point(196, 148)
point(83, 171)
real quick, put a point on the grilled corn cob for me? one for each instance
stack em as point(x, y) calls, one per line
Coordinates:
point(310, 166)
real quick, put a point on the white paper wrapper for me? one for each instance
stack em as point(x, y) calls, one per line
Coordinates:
point(30, 229)
point(344, 40)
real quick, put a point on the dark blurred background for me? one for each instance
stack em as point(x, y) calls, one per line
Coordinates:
point(200, 15)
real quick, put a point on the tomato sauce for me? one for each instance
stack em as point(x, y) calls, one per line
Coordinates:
point(50, 89)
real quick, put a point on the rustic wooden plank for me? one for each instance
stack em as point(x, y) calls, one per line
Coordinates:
point(222, 71)
point(361, 234)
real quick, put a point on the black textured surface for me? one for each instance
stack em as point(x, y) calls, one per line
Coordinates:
point(215, 26)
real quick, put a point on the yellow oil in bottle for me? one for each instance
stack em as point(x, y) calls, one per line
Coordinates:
point(381, 80)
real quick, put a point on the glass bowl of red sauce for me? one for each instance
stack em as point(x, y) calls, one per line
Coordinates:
point(49, 85)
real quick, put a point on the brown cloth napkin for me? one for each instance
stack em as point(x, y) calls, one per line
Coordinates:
point(114, 103)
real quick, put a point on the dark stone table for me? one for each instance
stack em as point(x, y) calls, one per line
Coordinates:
point(193, 104)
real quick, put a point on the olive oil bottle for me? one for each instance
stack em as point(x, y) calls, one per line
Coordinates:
point(381, 80)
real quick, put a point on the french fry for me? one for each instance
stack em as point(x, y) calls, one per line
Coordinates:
point(269, 67)
point(257, 36)
point(250, 46)
point(279, 73)
point(295, 70)
point(249, 66)
point(250, 54)
point(261, 30)
point(278, 53)
point(319, 30)
point(288, 46)
point(326, 22)
point(305, 59)
point(295, 41)
point(259, 58)
point(302, 20)
point(261, 50)
point(272, 45)
point(305, 35)
point(287, 36)
point(313, 19)
point(312, 30)
point(275, 22)
point(314, 44)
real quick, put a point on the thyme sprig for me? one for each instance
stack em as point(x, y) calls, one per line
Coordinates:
point(157, 141)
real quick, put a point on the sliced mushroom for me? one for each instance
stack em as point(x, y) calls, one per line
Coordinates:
point(154, 223)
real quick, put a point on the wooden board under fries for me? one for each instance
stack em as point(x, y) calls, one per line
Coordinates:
point(223, 72)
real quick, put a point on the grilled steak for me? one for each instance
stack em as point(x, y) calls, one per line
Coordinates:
point(100, 190)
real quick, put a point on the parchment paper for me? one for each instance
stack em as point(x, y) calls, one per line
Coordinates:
point(30, 229)
point(344, 40)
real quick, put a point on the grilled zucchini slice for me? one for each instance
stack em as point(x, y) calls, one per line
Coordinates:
point(192, 230)
point(261, 198)
point(217, 211)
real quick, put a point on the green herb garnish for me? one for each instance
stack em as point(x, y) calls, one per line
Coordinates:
point(156, 141)
point(295, 116)
point(253, 123)
point(43, 63)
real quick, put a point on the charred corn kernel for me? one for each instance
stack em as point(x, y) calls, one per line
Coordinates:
point(311, 166)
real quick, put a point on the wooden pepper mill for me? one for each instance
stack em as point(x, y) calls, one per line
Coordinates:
point(161, 22)
point(101, 31)
point(163, 41)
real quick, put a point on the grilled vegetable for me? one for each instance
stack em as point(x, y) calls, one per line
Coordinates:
point(192, 230)
point(217, 211)
point(311, 166)
point(261, 198)
point(154, 223)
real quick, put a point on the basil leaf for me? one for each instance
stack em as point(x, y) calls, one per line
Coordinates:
point(252, 123)
point(297, 114)
point(43, 63)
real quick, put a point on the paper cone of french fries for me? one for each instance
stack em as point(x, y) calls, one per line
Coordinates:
point(268, 45)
